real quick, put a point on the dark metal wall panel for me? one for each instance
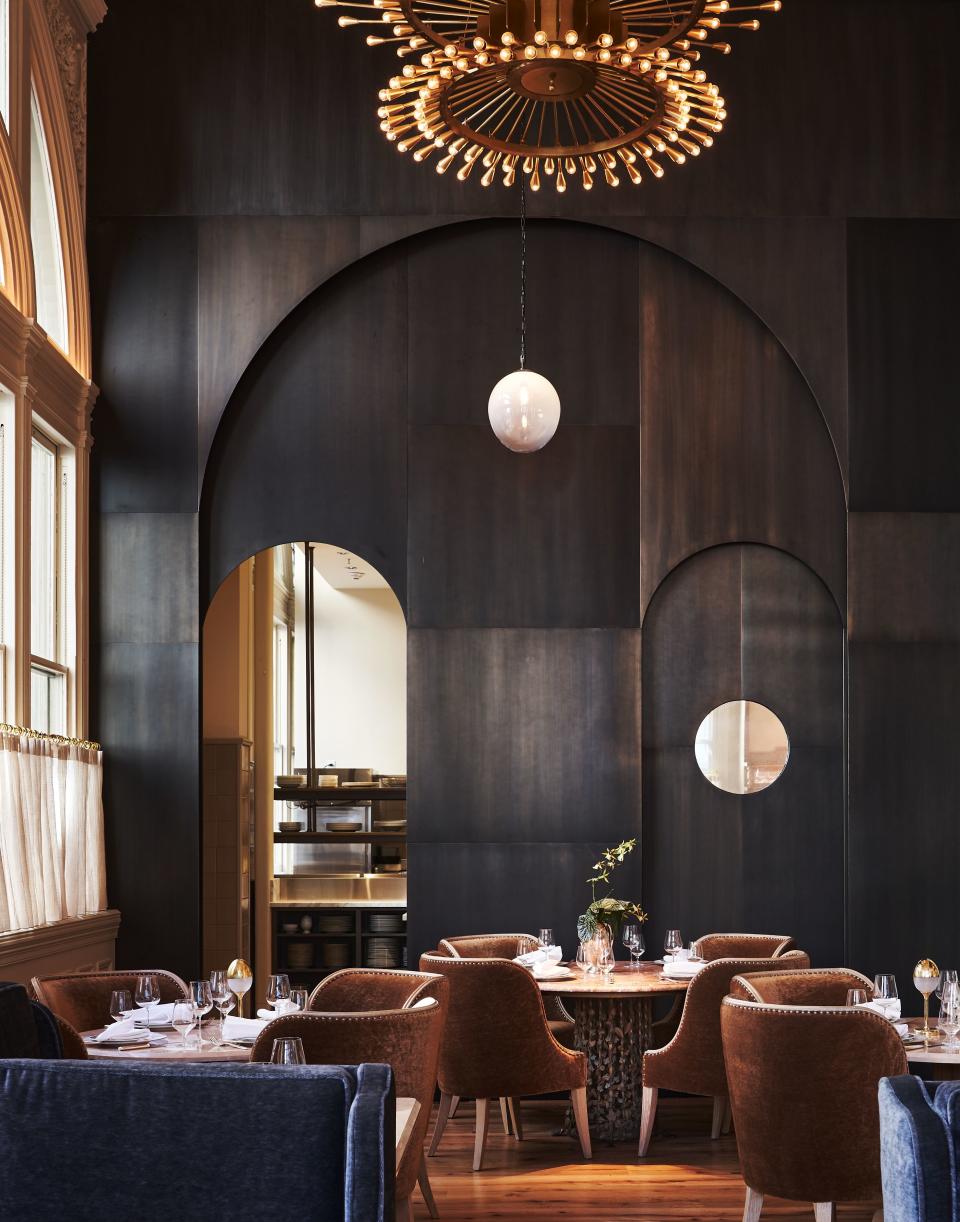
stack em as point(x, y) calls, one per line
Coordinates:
point(523, 735)
point(745, 622)
point(734, 441)
point(498, 539)
point(147, 579)
point(904, 425)
point(316, 442)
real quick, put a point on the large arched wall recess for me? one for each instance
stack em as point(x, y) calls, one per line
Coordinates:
point(746, 621)
point(293, 258)
point(15, 235)
point(673, 281)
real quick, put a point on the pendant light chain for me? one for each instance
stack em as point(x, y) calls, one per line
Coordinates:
point(523, 271)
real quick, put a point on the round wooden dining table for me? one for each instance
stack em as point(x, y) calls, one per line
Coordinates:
point(613, 1017)
point(172, 1050)
point(933, 1060)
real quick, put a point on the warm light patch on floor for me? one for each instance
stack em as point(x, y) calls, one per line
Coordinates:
point(685, 1178)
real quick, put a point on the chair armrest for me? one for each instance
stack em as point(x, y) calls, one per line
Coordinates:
point(916, 1154)
point(371, 1138)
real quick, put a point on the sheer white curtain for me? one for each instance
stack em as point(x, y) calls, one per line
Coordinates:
point(51, 831)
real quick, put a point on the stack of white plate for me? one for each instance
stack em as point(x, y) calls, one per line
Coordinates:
point(336, 954)
point(382, 952)
point(386, 922)
point(334, 922)
point(300, 955)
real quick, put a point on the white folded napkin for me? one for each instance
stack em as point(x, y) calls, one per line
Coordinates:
point(902, 1029)
point(241, 1028)
point(283, 1007)
point(162, 1012)
point(888, 1007)
point(550, 971)
point(543, 954)
point(682, 969)
point(126, 1028)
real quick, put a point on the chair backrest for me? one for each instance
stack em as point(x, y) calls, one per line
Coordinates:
point(803, 1088)
point(27, 1029)
point(918, 1150)
point(693, 1060)
point(743, 945)
point(367, 988)
point(497, 1041)
point(408, 1040)
point(68, 1150)
point(83, 998)
point(816, 986)
point(487, 945)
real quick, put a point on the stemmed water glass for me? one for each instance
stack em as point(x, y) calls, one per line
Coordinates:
point(949, 1020)
point(632, 938)
point(545, 938)
point(223, 997)
point(278, 990)
point(202, 997)
point(183, 1019)
point(856, 997)
point(147, 994)
point(121, 1003)
point(672, 942)
point(298, 999)
point(583, 959)
point(947, 977)
point(885, 987)
point(288, 1050)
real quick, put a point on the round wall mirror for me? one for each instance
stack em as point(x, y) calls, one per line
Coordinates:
point(742, 747)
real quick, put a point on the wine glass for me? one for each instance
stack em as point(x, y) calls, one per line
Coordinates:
point(672, 942)
point(885, 986)
point(856, 997)
point(183, 1019)
point(202, 996)
point(223, 997)
point(240, 981)
point(298, 999)
point(949, 1020)
point(633, 940)
point(926, 979)
point(288, 1051)
point(121, 1003)
point(147, 994)
point(583, 959)
point(278, 991)
point(946, 977)
point(545, 938)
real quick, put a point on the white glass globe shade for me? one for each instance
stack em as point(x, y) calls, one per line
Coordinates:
point(524, 411)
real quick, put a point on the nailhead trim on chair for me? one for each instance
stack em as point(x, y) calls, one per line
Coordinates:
point(831, 972)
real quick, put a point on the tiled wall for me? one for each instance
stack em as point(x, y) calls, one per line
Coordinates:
point(227, 814)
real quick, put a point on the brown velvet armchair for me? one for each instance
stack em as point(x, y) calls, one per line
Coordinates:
point(815, 986)
point(743, 945)
point(497, 1044)
point(692, 1062)
point(370, 988)
point(82, 999)
point(803, 1086)
point(407, 1038)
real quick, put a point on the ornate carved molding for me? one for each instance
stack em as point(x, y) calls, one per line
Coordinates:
point(70, 45)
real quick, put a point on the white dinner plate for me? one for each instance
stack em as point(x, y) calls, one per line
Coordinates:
point(116, 1041)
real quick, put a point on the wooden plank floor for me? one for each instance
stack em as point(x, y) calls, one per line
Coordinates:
point(686, 1177)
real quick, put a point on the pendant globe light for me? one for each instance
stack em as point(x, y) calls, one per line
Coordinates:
point(524, 407)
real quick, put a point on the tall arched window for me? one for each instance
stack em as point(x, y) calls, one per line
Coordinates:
point(45, 235)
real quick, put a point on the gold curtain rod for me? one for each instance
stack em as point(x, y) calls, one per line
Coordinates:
point(24, 732)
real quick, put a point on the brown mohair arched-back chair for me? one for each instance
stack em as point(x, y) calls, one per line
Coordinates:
point(692, 1062)
point(83, 998)
point(407, 1039)
point(816, 986)
point(743, 945)
point(370, 988)
point(497, 1044)
point(487, 945)
point(803, 1086)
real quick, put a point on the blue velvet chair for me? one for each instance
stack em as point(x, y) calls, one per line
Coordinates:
point(27, 1029)
point(919, 1137)
point(90, 1140)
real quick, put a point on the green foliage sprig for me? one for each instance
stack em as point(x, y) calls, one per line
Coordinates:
point(607, 910)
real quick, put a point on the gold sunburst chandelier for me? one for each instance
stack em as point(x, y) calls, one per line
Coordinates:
point(563, 89)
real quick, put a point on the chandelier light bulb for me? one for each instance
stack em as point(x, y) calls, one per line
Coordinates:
point(524, 411)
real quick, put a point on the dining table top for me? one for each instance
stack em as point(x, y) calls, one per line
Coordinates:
point(173, 1050)
point(625, 980)
point(932, 1053)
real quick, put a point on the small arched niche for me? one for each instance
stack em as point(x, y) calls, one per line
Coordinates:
point(304, 766)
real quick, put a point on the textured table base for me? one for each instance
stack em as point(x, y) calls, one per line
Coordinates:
point(614, 1032)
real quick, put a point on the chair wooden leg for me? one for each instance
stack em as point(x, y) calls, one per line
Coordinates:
point(480, 1137)
point(454, 1106)
point(719, 1111)
point(578, 1097)
point(505, 1114)
point(825, 1211)
point(426, 1191)
point(443, 1115)
point(878, 1216)
point(647, 1116)
point(517, 1124)
point(403, 1211)
point(727, 1119)
point(752, 1206)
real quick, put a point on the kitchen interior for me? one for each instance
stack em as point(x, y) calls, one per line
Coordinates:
point(304, 766)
